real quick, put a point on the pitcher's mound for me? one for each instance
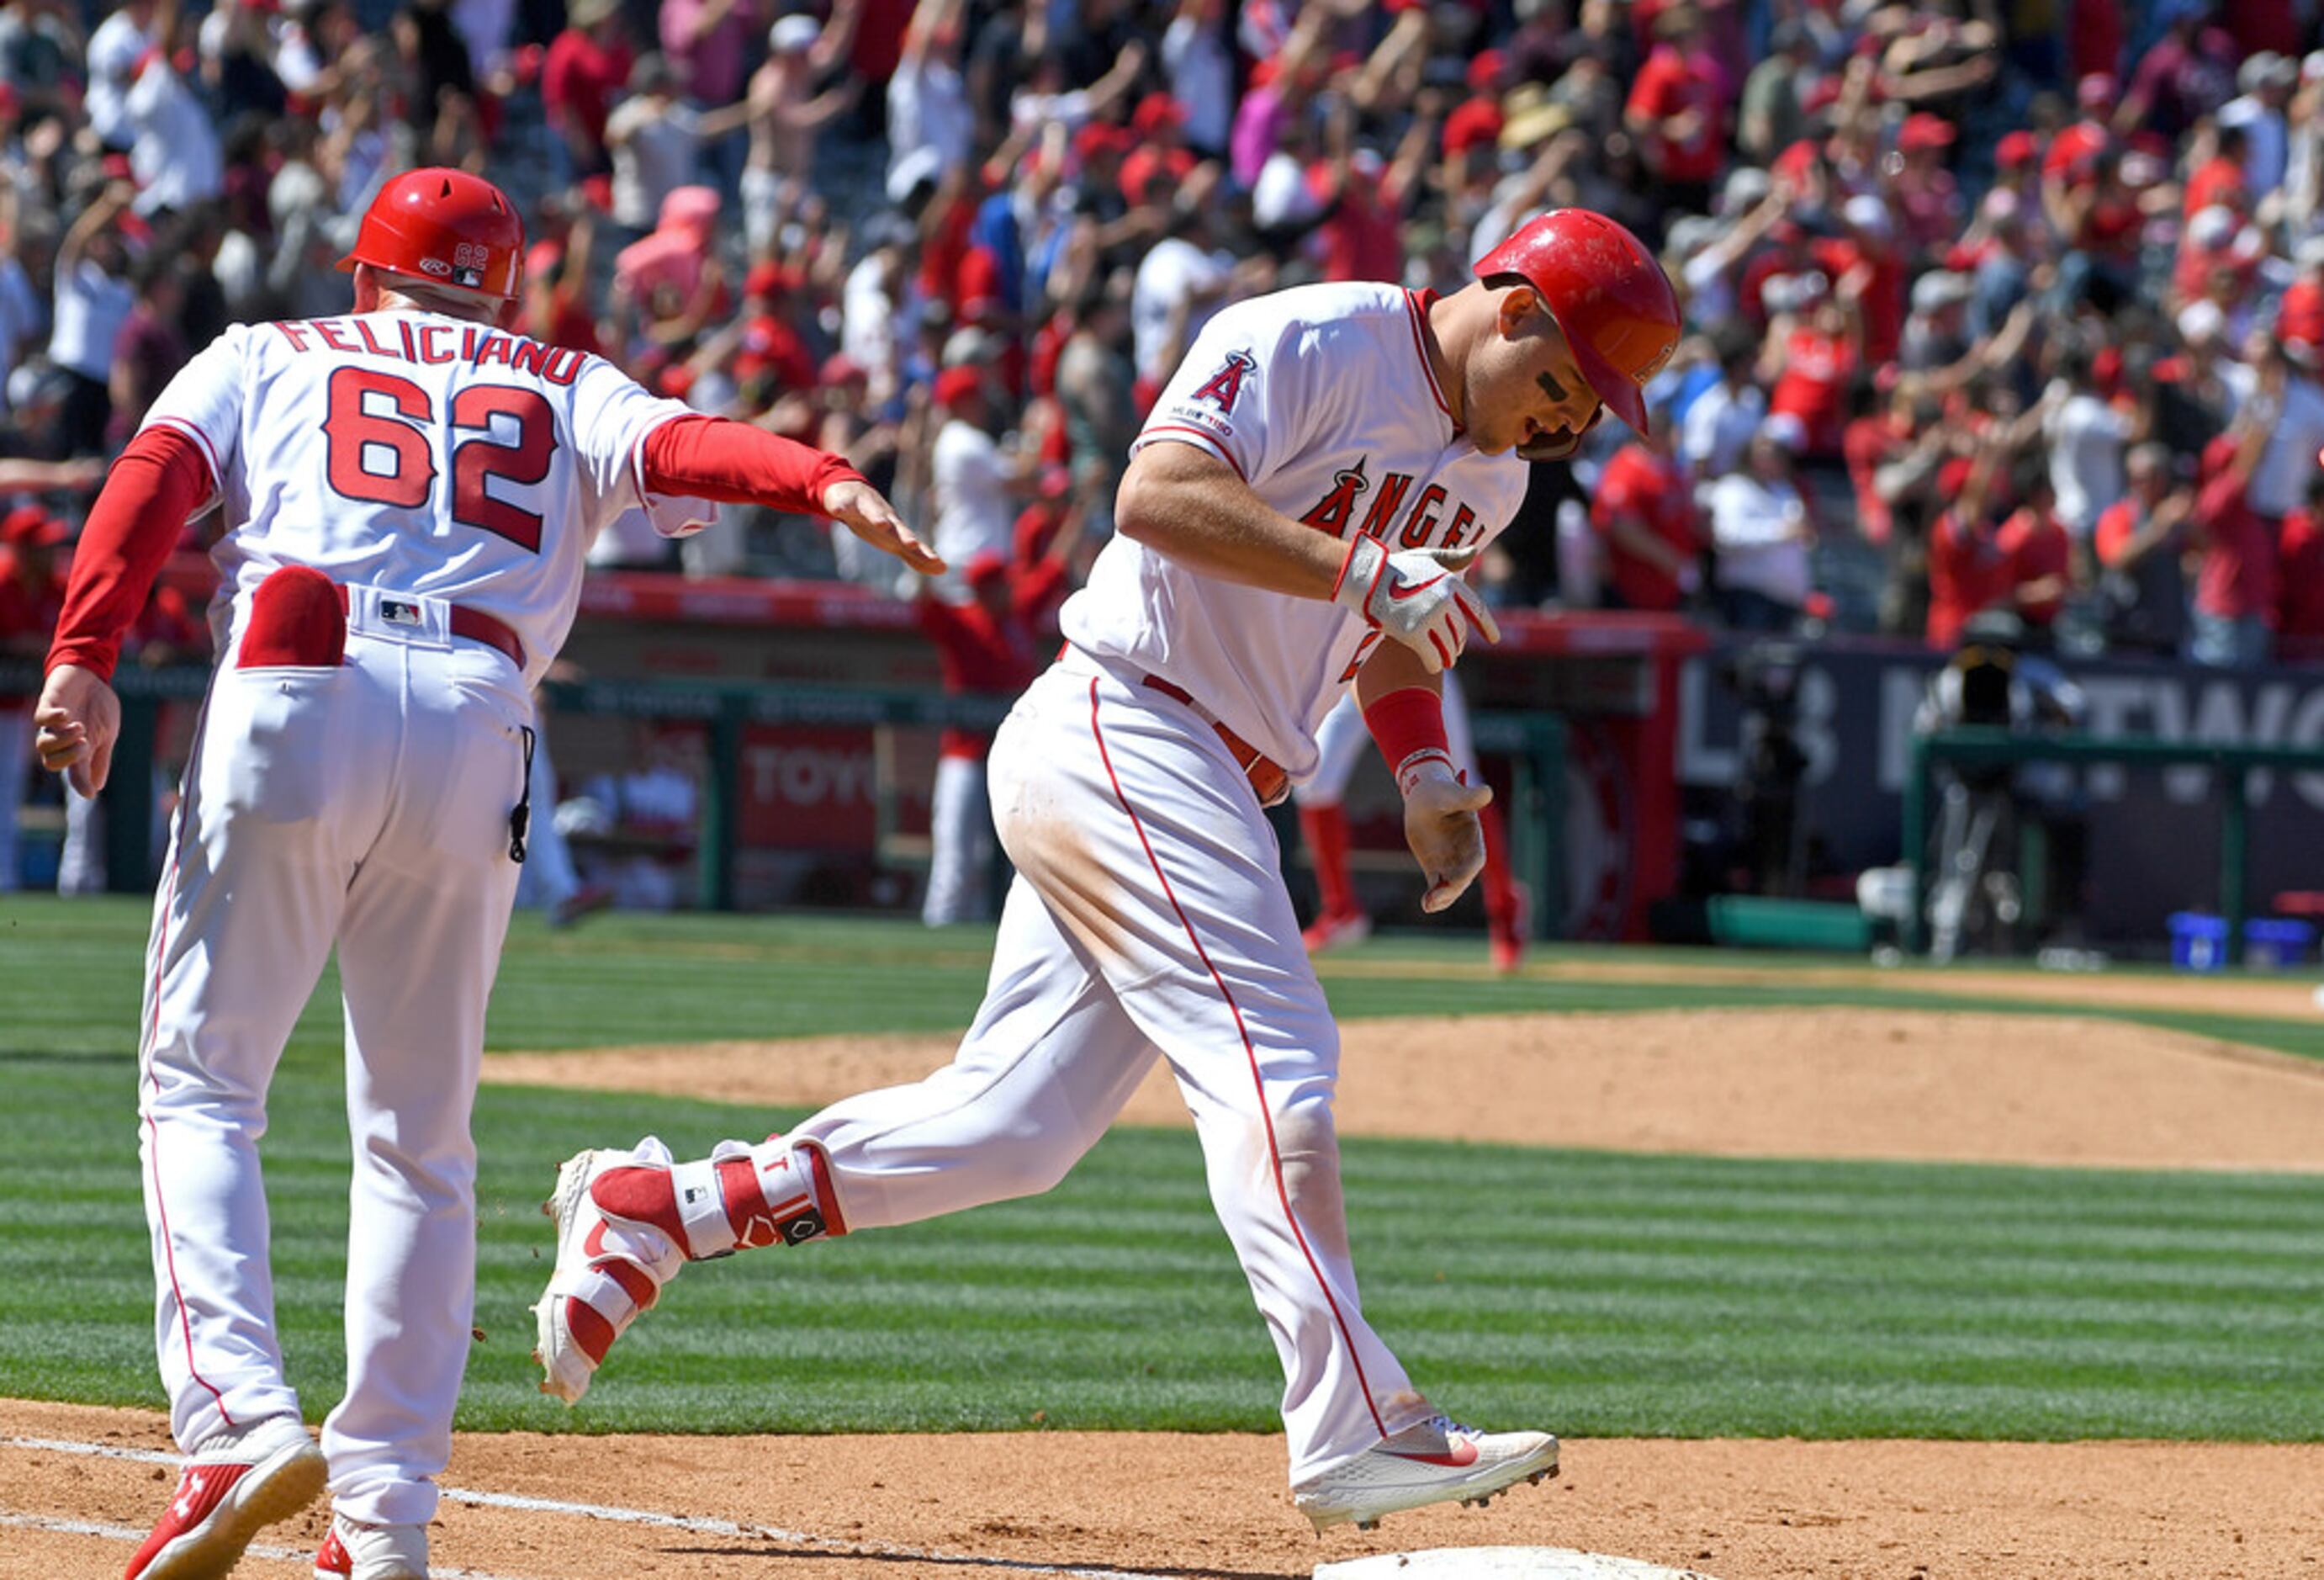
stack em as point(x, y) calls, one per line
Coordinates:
point(1500, 1564)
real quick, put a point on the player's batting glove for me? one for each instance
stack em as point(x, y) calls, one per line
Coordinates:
point(1440, 824)
point(1417, 596)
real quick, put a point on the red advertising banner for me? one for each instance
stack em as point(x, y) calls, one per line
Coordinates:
point(807, 788)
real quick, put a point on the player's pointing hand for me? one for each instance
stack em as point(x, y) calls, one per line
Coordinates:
point(1417, 596)
point(860, 508)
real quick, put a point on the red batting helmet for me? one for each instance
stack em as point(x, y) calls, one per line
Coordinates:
point(1608, 294)
point(446, 227)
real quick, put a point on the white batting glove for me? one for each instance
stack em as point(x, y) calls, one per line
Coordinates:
point(1417, 596)
point(1441, 825)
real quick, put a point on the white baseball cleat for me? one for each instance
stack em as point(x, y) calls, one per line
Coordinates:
point(355, 1551)
point(1329, 932)
point(232, 1487)
point(1439, 1461)
point(608, 1271)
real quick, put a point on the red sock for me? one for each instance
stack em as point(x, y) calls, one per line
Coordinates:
point(1326, 828)
point(1500, 889)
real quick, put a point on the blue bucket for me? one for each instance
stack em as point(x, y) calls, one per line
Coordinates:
point(2198, 942)
point(2277, 943)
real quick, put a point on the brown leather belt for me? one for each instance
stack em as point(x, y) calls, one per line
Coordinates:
point(475, 625)
point(1267, 778)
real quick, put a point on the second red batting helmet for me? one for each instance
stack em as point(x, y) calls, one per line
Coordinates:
point(445, 226)
point(1609, 298)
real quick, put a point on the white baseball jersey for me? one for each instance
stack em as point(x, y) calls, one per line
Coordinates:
point(421, 454)
point(1323, 400)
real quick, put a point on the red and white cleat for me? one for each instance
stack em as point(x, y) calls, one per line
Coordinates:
point(609, 1270)
point(626, 1222)
point(1439, 1461)
point(232, 1487)
point(354, 1551)
point(1329, 931)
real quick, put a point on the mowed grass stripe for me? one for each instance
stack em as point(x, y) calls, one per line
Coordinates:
point(75, 973)
point(1596, 1293)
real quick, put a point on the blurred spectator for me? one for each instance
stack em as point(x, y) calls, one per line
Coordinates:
point(785, 112)
point(148, 349)
point(930, 127)
point(1928, 200)
point(2235, 587)
point(1645, 518)
point(987, 649)
point(2300, 579)
point(32, 597)
point(1774, 113)
point(2040, 557)
point(93, 300)
point(120, 44)
point(587, 66)
point(669, 284)
point(2140, 541)
point(2187, 72)
point(1813, 344)
point(973, 485)
point(1677, 110)
point(1094, 382)
point(656, 140)
point(2088, 436)
point(1200, 65)
point(1970, 570)
point(2278, 483)
point(1183, 279)
point(2266, 80)
point(1761, 533)
point(1722, 420)
point(708, 43)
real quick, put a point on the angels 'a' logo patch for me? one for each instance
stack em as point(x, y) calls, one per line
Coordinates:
point(1224, 387)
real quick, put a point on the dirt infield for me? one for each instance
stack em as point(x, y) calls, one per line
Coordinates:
point(1817, 1083)
point(1832, 1083)
point(1203, 1508)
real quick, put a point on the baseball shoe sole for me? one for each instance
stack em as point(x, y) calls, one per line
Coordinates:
point(226, 1495)
point(1437, 1461)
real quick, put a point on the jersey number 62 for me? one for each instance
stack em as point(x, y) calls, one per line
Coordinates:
point(362, 436)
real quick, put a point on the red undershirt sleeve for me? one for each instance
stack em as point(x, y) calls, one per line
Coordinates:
point(158, 481)
point(711, 457)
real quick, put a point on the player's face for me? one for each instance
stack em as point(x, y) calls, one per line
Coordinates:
point(1531, 396)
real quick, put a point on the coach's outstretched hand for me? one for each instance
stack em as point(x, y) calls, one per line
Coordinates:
point(78, 719)
point(859, 507)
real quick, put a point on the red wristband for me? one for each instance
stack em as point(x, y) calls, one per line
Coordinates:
point(1407, 723)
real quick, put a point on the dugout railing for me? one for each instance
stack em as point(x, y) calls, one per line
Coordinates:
point(1533, 743)
point(1994, 747)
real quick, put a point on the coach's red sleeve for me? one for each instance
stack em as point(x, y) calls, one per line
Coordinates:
point(147, 496)
point(711, 457)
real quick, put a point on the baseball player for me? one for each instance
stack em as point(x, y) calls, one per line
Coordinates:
point(1298, 506)
point(1340, 921)
point(408, 493)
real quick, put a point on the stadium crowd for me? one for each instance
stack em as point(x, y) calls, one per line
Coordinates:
point(1990, 304)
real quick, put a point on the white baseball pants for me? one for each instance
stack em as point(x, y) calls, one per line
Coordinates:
point(1148, 916)
point(365, 804)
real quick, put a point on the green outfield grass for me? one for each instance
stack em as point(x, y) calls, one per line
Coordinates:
point(1595, 1293)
